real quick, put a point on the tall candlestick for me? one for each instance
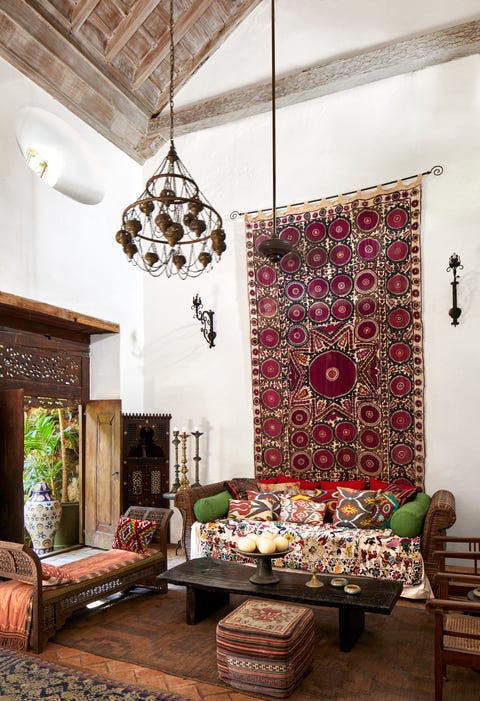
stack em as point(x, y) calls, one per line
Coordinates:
point(184, 483)
point(176, 442)
point(197, 457)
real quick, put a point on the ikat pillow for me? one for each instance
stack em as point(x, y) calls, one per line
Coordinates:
point(238, 486)
point(133, 534)
point(354, 508)
point(263, 507)
point(301, 509)
point(52, 575)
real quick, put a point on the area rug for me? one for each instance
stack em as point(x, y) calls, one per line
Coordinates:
point(336, 339)
point(25, 678)
point(392, 660)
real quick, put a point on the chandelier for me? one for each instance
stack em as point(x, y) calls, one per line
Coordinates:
point(172, 228)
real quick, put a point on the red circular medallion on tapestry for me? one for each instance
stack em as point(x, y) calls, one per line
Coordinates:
point(295, 290)
point(346, 431)
point(291, 262)
point(318, 312)
point(370, 463)
point(315, 231)
point(322, 433)
point(340, 254)
point(267, 307)
point(299, 417)
point(273, 457)
point(366, 281)
point(272, 427)
point(369, 438)
point(270, 368)
point(296, 312)
point(332, 374)
point(269, 338)
point(366, 306)
point(396, 218)
point(342, 309)
point(316, 257)
point(399, 318)
point(400, 385)
point(341, 285)
point(400, 420)
point(266, 275)
point(317, 288)
point(399, 352)
point(397, 251)
point(367, 219)
point(398, 284)
point(368, 249)
point(339, 229)
point(369, 414)
point(300, 461)
point(300, 439)
point(402, 454)
point(347, 458)
point(271, 398)
point(323, 459)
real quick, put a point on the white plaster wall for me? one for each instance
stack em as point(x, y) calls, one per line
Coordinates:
point(357, 138)
point(58, 251)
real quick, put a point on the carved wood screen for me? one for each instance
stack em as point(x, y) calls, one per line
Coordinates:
point(53, 372)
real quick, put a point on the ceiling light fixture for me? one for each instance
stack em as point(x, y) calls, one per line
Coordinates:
point(172, 228)
point(274, 248)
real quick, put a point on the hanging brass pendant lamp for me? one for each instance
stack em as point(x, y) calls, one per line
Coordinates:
point(172, 228)
point(274, 248)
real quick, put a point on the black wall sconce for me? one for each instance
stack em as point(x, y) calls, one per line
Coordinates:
point(454, 263)
point(206, 319)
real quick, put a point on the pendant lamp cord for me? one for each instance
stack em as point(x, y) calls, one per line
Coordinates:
point(172, 70)
point(274, 128)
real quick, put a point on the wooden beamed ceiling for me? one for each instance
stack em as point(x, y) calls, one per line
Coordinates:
point(108, 62)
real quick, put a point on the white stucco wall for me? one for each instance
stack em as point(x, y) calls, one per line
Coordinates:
point(58, 251)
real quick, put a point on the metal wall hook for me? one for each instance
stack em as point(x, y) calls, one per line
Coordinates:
point(454, 263)
point(206, 319)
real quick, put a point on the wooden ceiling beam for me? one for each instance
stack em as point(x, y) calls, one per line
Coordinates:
point(159, 52)
point(398, 58)
point(80, 12)
point(128, 26)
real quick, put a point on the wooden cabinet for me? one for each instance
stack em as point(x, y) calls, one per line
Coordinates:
point(145, 459)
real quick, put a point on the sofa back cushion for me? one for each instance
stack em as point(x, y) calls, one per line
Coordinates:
point(237, 486)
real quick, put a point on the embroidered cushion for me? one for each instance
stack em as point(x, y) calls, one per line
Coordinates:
point(211, 508)
point(385, 506)
point(264, 507)
point(354, 508)
point(238, 486)
point(377, 484)
point(133, 534)
point(284, 487)
point(350, 484)
point(51, 575)
point(301, 509)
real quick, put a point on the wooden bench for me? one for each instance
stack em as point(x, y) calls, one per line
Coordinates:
point(51, 605)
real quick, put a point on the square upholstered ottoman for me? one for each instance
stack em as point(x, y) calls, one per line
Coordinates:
point(265, 646)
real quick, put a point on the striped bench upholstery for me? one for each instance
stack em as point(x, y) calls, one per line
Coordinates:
point(265, 647)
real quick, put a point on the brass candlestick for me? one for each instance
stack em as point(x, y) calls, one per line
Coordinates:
point(184, 483)
point(176, 443)
point(197, 457)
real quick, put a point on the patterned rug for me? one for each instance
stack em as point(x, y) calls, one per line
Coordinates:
point(25, 678)
point(336, 339)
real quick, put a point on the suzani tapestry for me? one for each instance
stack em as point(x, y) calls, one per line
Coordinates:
point(336, 339)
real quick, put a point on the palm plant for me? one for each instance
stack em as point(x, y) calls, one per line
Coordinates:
point(47, 441)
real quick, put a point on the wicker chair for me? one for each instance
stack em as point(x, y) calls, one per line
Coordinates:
point(457, 613)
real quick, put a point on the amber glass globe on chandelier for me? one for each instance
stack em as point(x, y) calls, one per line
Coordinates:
point(172, 228)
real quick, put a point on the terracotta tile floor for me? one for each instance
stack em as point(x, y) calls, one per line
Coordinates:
point(135, 674)
point(131, 673)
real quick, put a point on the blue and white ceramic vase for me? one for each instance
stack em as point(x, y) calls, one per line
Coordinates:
point(42, 515)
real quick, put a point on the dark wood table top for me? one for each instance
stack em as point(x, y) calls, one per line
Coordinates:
point(376, 596)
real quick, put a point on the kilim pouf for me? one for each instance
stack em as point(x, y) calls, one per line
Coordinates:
point(265, 646)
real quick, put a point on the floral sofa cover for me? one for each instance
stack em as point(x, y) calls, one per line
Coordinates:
point(339, 551)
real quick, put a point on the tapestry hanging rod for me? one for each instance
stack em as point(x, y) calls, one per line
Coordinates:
point(436, 170)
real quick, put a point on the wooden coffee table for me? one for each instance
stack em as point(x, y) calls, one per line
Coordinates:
point(210, 582)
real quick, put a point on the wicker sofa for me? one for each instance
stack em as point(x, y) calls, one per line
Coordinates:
point(440, 516)
point(47, 607)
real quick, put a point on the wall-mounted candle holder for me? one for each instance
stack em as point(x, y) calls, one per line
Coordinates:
point(453, 264)
point(206, 319)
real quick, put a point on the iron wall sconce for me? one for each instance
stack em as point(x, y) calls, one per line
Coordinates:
point(206, 319)
point(454, 263)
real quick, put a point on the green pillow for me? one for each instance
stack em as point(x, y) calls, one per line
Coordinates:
point(408, 520)
point(211, 508)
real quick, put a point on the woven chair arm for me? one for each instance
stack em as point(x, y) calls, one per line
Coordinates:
point(185, 500)
point(440, 516)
